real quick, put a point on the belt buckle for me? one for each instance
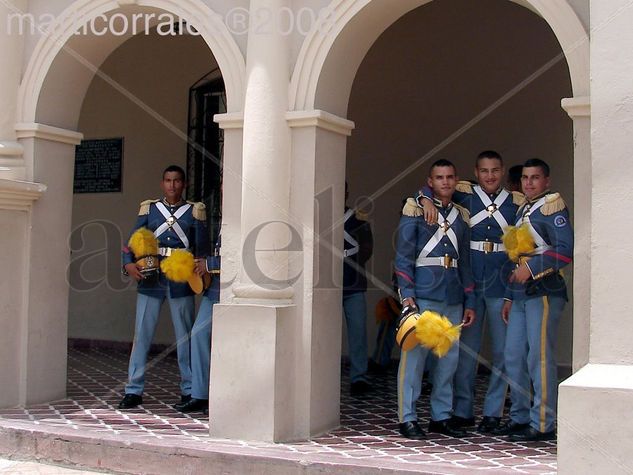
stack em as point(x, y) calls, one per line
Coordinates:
point(489, 246)
point(448, 260)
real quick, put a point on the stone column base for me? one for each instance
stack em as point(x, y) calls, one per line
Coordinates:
point(595, 427)
point(252, 373)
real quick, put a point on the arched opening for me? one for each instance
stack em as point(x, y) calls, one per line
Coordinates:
point(129, 80)
point(347, 70)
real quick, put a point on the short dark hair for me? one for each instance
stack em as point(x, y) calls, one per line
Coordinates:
point(488, 154)
point(514, 174)
point(537, 162)
point(175, 168)
point(442, 162)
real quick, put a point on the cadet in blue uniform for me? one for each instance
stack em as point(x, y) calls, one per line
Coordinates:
point(177, 224)
point(201, 336)
point(433, 272)
point(357, 249)
point(491, 209)
point(536, 299)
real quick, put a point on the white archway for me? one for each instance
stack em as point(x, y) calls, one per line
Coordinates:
point(331, 54)
point(56, 78)
point(365, 20)
point(195, 12)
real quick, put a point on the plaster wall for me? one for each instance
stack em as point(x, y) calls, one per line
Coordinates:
point(158, 71)
point(13, 227)
point(422, 82)
point(612, 140)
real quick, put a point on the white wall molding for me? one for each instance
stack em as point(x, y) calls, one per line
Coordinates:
point(321, 119)
point(48, 132)
point(19, 195)
point(230, 120)
point(10, 149)
point(577, 106)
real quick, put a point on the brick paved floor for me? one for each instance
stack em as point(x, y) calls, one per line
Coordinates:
point(368, 432)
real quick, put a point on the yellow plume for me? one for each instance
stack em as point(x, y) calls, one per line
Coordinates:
point(436, 332)
point(518, 241)
point(179, 266)
point(143, 243)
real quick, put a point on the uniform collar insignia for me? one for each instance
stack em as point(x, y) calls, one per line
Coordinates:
point(168, 204)
point(538, 197)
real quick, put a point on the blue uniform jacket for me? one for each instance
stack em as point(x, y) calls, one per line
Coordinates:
point(453, 285)
point(551, 222)
point(196, 231)
point(490, 271)
point(213, 266)
point(354, 279)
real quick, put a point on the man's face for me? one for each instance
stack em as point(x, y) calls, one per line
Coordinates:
point(533, 181)
point(172, 185)
point(442, 181)
point(489, 173)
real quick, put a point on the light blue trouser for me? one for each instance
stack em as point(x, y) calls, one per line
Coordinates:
point(530, 360)
point(355, 310)
point(147, 312)
point(385, 341)
point(488, 309)
point(201, 349)
point(411, 370)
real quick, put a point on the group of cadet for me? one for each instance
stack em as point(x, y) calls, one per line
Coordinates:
point(176, 224)
point(450, 259)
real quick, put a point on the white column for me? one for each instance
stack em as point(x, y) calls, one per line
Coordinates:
point(253, 377)
point(16, 202)
point(11, 51)
point(595, 430)
point(50, 154)
point(578, 108)
point(266, 163)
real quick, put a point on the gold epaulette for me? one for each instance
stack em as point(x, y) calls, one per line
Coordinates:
point(464, 186)
point(412, 209)
point(144, 209)
point(361, 215)
point(518, 198)
point(199, 210)
point(464, 212)
point(553, 204)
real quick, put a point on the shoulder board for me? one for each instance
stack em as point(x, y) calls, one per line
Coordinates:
point(144, 209)
point(464, 187)
point(518, 198)
point(412, 209)
point(553, 204)
point(361, 215)
point(199, 210)
point(464, 212)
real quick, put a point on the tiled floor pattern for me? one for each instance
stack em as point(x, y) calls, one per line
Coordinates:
point(368, 432)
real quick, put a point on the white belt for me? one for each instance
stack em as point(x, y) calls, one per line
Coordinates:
point(166, 251)
point(487, 246)
point(442, 261)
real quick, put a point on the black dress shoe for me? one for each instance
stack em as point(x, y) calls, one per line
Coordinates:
point(130, 401)
point(509, 427)
point(193, 405)
point(445, 427)
point(185, 398)
point(530, 434)
point(488, 424)
point(358, 388)
point(458, 422)
point(412, 430)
